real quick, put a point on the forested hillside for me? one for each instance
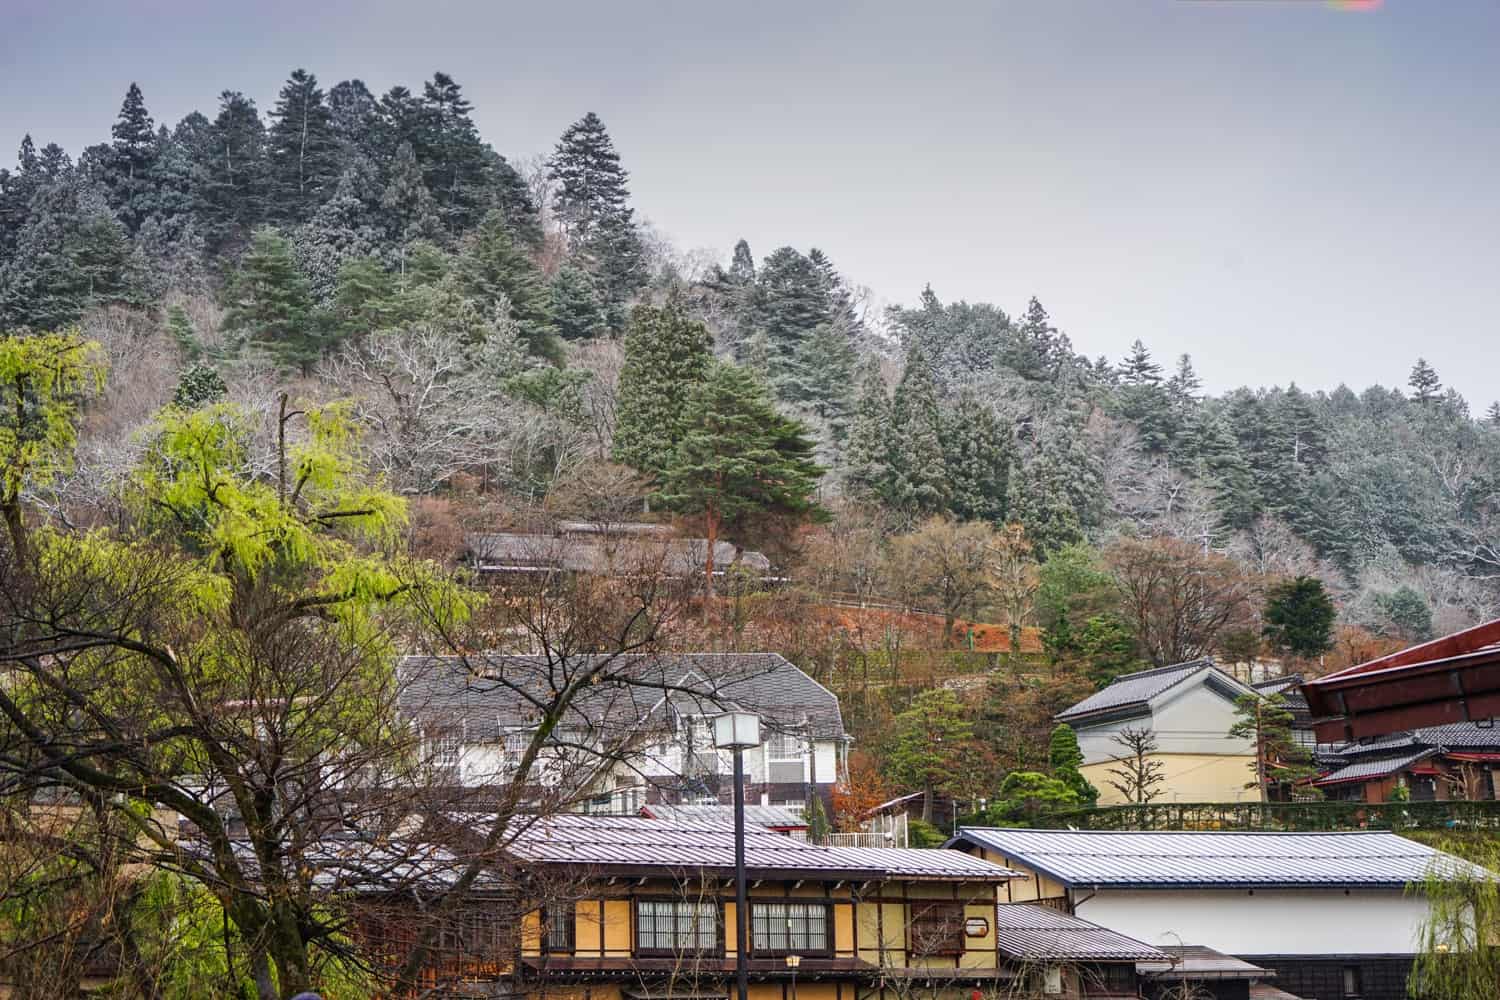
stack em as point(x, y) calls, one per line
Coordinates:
point(477, 305)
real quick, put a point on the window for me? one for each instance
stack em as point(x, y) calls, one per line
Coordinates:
point(676, 926)
point(445, 751)
point(786, 746)
point(1052, 983)
point(1352, 985)
point(557, 934)
point(937, 928)
point(784, 928)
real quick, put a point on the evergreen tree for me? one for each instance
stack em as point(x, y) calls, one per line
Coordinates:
point(455, 166)
point(1424, 382)
point(867, 455)
point(1031, 353)
point(270, 302)
point(824, 378)
point(1299, 617)
point(742, 266)
point(365, 298)
point(667, 355)
point(400, 119)
point(1492, 415)
point(919, 481)
point(233, 165)
point(575, 304)
point(1066, 760)
point(408, 208)
point(1407, 614)
point(1145, 402)
point(345, 227)
point(303, 161)
point(492, 269)
point(199, 385)
point(789, 304)
point(592, 204)
point(738, 459)
point(130, 160)
point(1055, 494)
point(977, 461)
point(1212, 453)
point(354, 117)
point(180, 329)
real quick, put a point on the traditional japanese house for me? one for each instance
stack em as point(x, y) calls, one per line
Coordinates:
point(1434, 763)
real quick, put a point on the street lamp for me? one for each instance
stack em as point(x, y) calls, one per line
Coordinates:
point(738, 731)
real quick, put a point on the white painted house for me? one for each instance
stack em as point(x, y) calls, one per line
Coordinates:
point(643, 737)
point(1329, 912)
point(1189, 709)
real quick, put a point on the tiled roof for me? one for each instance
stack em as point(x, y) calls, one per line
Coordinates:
point(1455, 736)
point(1193, 961)
point(602, 551)
point(490, 693)
point(625, 843)
point(1214, 860)
point(1039, 933)
point(1372, 768)
point(770, 817)
point(1136, 690)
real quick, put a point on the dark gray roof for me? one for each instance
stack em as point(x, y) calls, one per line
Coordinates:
point(1454, 736)
point(1290, 689)
point(1371, 768)
point(490, 694)
point(1039, 933)
point(1194, 961)
point(624, 843)
point(770, 817)
point(604, 549)
point(1215, 860)
point(1135, 691)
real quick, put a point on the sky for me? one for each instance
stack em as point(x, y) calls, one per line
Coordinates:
point(1287, 190)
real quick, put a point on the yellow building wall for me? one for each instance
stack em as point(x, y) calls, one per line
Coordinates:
point(1185, 778)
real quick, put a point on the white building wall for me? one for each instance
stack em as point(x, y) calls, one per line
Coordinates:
point(1188, 720)
point(1265, 922)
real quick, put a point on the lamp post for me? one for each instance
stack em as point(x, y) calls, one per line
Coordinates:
point(738, 731)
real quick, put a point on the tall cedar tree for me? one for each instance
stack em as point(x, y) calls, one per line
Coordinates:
point(1424, 382)
point(977, 460)
point(867, 456)
point(920, 480)
point(667, 356)
point(132, 155)
point(1299, 617)
point(790, 303)
point(592, 203)
point(738, 458)
point(408, 208)
point(576, 306)
point(825, 378)
point(270, 301)
point(455, 164)
point(492, 269)
point(302, 152)
point(234, 165)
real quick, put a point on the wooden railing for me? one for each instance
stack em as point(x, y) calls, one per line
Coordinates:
point(1283, 816)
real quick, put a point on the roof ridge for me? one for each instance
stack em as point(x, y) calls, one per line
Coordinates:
point(1199, 662)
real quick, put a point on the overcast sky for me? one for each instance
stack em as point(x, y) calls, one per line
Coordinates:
point(1286, 190)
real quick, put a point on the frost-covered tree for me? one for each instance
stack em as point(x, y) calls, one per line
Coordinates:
point(919, 476)
point(302, 151)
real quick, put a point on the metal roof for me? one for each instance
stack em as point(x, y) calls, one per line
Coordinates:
point(491, 694)
point(770, 817)
point(1216, 860)
point(1194, 961)
point(620, 843)
point(1040, 933)
point(621, 550)
point(1369, 770)
point(1135, 691)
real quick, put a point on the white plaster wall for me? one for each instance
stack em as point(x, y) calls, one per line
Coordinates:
point(1268, 922)
point(1192, 719)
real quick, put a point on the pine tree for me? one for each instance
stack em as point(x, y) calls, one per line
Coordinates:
point(667, 355)
point(789, 304)
point(592, 204)
point(742, 265)
point(130, 160)
point(575, 305)
point(1066, 759)
point(270, 302)
point(738, 459)
point(344, 228)
point(1138, 369)
point(454, 162)
point(1424, 382)
point(1031, 353)
point(365, 298)
point(354, 117)
point(303, 161)
point(180, 329)
point(977, 461)
point(408, 208)
point(867, 454)
point(824, 377)
point(233, 165)
point(1211, 451)
point(1492, 415)
point(1299, 617)
point(1145, 402)
point(920, 482)
point(491, 268)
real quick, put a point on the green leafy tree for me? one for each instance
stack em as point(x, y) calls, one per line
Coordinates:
point(920, 479)
point(1278, 758)
point(1026, 796)
point(1299, 617)
point(738, 459)
point(407, 208)
point(199, 385)
point(667, 356)
point(976, 461)
point(1407, 614)
point(270, 302)
point(927, 745)
point(1456, 957)
point(1066, 760)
